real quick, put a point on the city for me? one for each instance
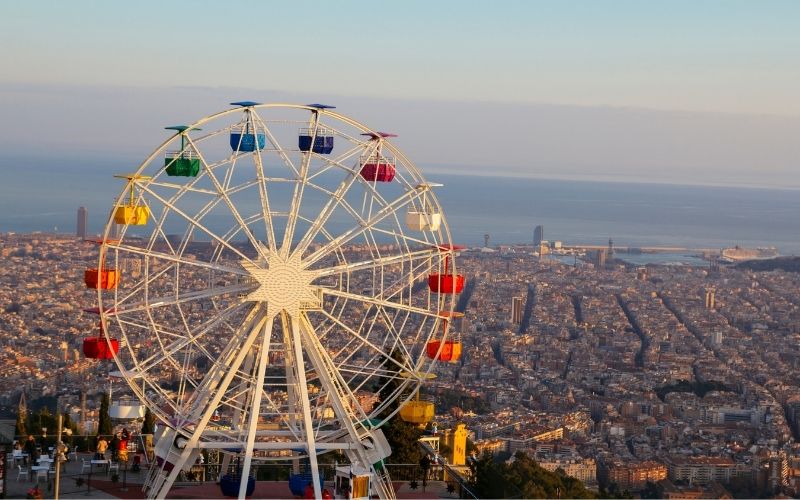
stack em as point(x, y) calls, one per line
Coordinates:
point(682, 376)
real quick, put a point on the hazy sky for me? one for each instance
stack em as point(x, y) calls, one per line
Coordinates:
point(678, 91)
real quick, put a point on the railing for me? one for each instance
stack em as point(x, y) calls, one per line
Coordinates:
point(186, 154)
point(321, 132)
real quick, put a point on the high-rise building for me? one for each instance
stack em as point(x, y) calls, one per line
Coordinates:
point(599, 258)
point(516, 310)
point(538, 235)
point(83, 216)
point(711, 301)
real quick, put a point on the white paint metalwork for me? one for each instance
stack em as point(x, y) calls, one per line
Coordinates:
point(275, 307)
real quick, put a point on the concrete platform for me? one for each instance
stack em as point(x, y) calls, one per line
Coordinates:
point(99, 485)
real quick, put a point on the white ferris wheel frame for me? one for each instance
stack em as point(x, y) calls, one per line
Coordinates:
point(247, 362)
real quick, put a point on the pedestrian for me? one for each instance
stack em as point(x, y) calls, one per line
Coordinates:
point(102, 446)
point(114, 445)
point(30, 449)
point(122, 452)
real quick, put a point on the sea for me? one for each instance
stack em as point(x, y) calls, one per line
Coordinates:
point(507, 209)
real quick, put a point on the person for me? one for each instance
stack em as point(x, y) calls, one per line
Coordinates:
point(122, 452)
point(102, 446)
point(30, 449)
point(114, 445)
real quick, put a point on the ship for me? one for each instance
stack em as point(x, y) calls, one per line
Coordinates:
point(737, 253)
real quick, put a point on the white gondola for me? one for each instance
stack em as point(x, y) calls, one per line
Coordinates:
point(426, 217)
point(126, 409)
point(423, 220)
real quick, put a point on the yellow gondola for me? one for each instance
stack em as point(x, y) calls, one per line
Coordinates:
point(131, 213)
point(418, 411)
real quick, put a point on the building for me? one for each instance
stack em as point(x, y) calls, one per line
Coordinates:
point(633, 476)
point(456, 440)
point(711, 301)
point(525, 440)
point(702, 470)
point(583, 469)
point(516, 310)
point(538, 235)
point(83, 217)
point(599, 258)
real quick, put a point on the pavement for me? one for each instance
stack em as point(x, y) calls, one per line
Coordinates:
point(99, 484)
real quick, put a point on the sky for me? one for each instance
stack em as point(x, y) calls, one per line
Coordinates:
point(688, 91)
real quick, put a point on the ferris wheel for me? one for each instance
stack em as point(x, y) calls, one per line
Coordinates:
point(275, 282)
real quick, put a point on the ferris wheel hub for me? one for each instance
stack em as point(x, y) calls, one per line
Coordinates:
point(283, 283)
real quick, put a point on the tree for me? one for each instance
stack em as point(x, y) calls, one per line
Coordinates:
point(402, 436)
point(149, 424)
point(522, 478)
point(21, 427)
point(67, 423)
point(104, 419)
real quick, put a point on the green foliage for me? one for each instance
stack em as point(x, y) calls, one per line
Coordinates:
point(402, 437)
point(42, 419)
point(104, 427)
point(448, 399)
point(699, 388)
point(21, 426)
point(523, 478)
point(388, 385)
point(789, 264)
point(67, 423)
point(652, 490)
point(149, 424)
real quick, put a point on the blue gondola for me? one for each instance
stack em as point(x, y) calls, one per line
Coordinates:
point(323, 141)
point(245, 140)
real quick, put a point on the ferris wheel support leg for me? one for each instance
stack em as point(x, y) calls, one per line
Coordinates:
point(308, 423)
point(255, 407)
point(333, 386)
point(211, 406)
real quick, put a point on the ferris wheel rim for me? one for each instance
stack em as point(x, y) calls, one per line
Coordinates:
point(332, 247)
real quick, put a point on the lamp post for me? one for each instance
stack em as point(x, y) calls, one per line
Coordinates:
point(58, 457)
point(125, 473)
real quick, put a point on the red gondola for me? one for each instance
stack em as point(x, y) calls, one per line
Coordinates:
point(100, 348)
point(106, 279)
point(378, 170)
point(446, 282)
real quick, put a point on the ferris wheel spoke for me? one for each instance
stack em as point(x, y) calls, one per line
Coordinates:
point(376, 301)
point(184, 297)
point(325, 214)
point(181, 187)
point(364, 225)
point(203, 412)
point(265, 206)
point(375, 263)
point(337, 197)
point(197, 224)
point(255, 405)
point(214, 266)
point(274, 142)
point(299, 190)
point(338, 162)
point(345, 403)
point(182, 340)
point(221, 191)
point(405, 238)
point(353, 333)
